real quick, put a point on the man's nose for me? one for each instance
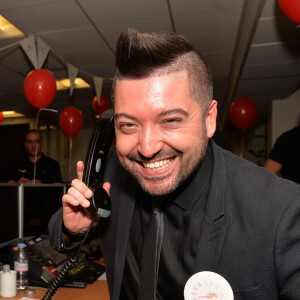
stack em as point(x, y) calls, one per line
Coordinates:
point(150, 141)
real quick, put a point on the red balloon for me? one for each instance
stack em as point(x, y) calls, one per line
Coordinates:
point(103, 105)
point(291, 8)
point(243, 113)
point(1, 116)
point(71, 121)
point(40, 88)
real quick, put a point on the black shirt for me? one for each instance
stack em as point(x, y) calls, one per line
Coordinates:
point(47, 170)
point(286, 151)
point(183, 214)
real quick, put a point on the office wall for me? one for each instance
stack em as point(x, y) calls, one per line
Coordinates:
point(76, 150)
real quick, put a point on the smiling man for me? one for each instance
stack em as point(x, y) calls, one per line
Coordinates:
point(216, 212)
point(161, 132)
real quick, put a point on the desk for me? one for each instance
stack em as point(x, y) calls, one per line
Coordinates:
point(97, 290)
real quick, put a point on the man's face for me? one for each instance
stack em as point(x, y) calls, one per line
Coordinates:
point(33, 144)
point(161, 135)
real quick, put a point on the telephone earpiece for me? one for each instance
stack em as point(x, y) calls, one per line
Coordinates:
point(95, 162)
point(100, 203)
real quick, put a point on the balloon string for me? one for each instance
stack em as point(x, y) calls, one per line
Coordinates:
point(50, 109)
point(70, 158)
point(35, 152)
point(242, 148)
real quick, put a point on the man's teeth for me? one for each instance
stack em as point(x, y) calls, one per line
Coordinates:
point(158, 165)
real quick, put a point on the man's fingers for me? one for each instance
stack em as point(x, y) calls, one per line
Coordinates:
point(81, 188)
point(68, 200)
point(106, 186)
point(80, 168)
point(75, 197)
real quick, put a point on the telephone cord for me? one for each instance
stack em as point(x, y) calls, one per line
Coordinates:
point(59, 280)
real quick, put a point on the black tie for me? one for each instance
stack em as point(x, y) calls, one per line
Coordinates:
point(151, 255)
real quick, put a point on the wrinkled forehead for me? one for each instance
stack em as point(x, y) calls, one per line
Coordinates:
point(157, 78)
point(153, 91)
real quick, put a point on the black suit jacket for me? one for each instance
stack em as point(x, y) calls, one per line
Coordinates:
point(250, 233)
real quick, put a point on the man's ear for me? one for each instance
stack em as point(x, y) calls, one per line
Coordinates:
point(211, 119)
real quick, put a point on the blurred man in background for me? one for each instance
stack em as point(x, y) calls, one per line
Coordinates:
point(35, 167)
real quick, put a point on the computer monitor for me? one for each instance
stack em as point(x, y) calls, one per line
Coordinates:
point(40, 202)
point(10, 214)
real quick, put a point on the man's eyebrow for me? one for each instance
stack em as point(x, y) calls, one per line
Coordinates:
point(173, 111)
point(116, 116)
point(162, 114)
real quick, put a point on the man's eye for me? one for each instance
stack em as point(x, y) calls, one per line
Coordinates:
point(127, 127)
point(172, 123)
point(172, 120)
point(32, 142)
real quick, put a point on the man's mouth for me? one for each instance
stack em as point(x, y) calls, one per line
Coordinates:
point(158, 165)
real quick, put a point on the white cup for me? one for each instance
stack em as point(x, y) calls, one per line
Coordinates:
point(8, 283)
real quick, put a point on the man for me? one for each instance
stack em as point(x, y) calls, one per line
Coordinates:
point(220, 213)
point(35, 167)
point(284, 158)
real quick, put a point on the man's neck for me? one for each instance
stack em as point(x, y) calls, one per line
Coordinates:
point(34, 158)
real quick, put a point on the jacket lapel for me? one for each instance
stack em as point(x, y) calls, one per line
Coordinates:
point(215, 222)
point(210, 244)
point(127, 203)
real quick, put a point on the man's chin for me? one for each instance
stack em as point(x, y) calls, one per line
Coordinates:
point(157, 189)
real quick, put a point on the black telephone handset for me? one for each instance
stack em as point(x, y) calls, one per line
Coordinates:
point(95, 162)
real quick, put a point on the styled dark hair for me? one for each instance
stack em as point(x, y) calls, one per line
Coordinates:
point(140, 55)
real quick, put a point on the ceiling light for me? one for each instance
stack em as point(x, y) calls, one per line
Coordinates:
point(64, 84)
point(8, 30)
point(12, 114)
point(45, 127)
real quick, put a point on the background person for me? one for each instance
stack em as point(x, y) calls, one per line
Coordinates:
point(284, 158)
point(47, 169)
point(220, 212)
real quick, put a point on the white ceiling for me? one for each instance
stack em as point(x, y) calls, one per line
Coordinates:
point(251, 46)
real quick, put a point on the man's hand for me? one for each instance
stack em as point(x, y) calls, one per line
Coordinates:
point(35, 181)
point(75, 217)
point(23, 180)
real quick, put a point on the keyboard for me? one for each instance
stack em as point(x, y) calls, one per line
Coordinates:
point(86, 271)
